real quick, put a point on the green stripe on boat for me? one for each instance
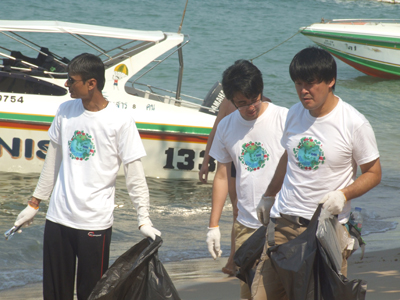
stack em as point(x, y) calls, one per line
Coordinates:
point(141, 126)
point(381, 66)
point(379, 41)
point(25, 117)
point(173, 128)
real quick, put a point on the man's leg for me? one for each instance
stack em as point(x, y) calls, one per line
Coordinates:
point(266, 284)
point(93, 255)
point(230, 267)
point(58, 262)
point(242, 233)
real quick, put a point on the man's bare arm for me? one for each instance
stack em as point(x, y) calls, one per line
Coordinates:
point(371, 176)
point(219, 193)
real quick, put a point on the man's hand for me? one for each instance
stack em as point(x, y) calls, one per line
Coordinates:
point(25, 217)
point(214, 242)
point(203, 173)
point(149, 231)
point(334, 202)
point(263, 209)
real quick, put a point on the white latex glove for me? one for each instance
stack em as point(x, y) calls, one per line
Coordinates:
point(263, 209)
point(334, 202)
point(149, 231)
point(214, 242)
point(25, 217)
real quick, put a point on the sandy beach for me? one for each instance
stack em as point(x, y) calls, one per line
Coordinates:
point(202, 278)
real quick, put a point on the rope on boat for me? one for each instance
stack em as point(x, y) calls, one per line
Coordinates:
point(183, 16)
point(251, 60)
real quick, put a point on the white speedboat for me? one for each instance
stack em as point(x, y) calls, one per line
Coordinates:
point(370, 46)
point(174, 127)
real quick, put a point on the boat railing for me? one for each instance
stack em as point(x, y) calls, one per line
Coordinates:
point(154, 93)
point(45, 64)
point(35, 69)
point(158, 62)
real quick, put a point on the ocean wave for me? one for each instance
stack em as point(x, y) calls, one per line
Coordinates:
point(378, 226)
point(19, 277)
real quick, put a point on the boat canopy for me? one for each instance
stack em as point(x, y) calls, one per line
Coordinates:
point(81, 29)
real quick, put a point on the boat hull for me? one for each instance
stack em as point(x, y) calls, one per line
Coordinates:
point(174, 137)
point(23, 149)
point(360, 46)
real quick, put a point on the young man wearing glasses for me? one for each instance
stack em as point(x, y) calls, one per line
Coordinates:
point(89, 138)
point(250, 138)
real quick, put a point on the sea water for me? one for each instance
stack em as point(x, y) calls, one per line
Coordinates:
point(221, 32)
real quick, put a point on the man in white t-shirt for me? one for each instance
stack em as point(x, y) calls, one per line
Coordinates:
point(250, 138)
point(89, 138)
point(325, 139)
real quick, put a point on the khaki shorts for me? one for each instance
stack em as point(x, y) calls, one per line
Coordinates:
point(266, 284)
point(242, 233)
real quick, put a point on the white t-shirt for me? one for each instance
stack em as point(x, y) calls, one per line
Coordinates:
point(255, 149)
point(323, 154)
point(93, 146)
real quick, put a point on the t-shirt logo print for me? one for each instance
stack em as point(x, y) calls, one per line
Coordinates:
point(253, 156)
point(81, 146)
point(309, 154)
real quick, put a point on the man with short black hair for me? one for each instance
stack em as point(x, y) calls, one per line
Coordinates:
point(325, 139)
point(89, 138)
point(248, 137)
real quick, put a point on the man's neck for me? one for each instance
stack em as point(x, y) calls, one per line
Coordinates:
point(263, 108)
point(95, 103)
point(328, 106)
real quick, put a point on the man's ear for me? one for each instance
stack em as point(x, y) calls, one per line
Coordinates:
point(92, 84)
point(332, 83)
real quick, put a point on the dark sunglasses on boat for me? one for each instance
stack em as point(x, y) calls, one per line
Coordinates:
point(71, 80)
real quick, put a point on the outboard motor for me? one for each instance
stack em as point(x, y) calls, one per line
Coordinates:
point(213, 99)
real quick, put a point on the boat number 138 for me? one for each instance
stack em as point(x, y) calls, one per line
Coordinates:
point(187, 160)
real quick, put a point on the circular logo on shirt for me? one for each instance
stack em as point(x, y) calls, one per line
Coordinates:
point(81, 146)
point(309, 154)
point(253, 156)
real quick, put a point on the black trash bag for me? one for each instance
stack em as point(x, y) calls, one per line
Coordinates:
point(336, 286)
point(137, 274)
point(306, 271)
point(294, 263)
point(248, 254)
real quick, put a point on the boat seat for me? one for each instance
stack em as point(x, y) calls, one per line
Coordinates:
point(17, 63)
point(48, 62)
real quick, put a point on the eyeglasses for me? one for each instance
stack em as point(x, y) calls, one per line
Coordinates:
point(71, 80)
point(255, 104)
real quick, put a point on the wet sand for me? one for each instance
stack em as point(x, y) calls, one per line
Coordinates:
point(203, 279)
